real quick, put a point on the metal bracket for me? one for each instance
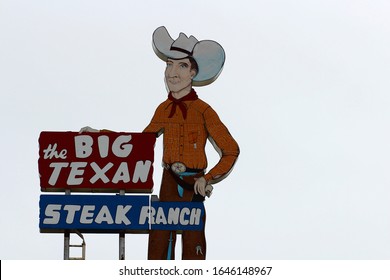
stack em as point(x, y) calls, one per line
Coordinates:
point(122, 239)
point(83, 246)
point(67, 244)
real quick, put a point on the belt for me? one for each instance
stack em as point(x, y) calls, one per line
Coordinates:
point(179, 171)
point(180, 168)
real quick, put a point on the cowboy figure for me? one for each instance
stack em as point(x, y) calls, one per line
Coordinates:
point(187, 122)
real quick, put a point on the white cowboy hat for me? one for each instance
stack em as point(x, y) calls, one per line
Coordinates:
point(209, 55)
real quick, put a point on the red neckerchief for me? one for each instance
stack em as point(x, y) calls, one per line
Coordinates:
point(180, 102)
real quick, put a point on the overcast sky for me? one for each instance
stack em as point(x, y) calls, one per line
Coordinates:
point(305, 92)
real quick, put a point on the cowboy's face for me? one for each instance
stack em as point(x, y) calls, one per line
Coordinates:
point(178, 75)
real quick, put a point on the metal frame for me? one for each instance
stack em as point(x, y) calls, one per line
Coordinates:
point(67, 245)
point(122, 240)
point(82, 246)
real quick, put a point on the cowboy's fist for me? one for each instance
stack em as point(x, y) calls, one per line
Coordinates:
point(88, 129)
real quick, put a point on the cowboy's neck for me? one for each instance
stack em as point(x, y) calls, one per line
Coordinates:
point(181, 93)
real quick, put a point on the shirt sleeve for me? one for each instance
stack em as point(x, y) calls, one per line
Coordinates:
point(224, 144)
point(156, 125)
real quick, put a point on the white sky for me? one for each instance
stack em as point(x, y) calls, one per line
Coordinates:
point(305, 92)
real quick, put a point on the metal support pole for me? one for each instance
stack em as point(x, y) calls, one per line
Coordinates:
point(66, 237)
point(121, 246)
point(66, 244)
point(122, 238)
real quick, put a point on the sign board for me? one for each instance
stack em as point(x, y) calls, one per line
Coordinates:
point(96, 162)
point(116, 213)
point(177, 215)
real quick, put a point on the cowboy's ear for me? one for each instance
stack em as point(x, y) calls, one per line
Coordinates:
point(193, 73)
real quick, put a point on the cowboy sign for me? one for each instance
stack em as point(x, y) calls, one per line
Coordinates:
point(186, 123)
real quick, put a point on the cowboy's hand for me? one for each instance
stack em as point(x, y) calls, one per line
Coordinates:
point(200, 186)
point(88, 129)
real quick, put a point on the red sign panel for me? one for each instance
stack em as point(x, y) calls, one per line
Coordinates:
point(96, 162)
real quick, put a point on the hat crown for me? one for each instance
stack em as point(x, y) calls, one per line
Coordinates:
point(184, 44)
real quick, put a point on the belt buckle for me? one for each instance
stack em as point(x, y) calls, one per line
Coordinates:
point(178, 167)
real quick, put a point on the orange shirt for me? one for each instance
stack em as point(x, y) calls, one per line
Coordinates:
point(185, 139)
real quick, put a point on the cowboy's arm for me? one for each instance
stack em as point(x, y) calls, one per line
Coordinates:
point(227, 148)
point(224, 144)
point(156, 125)
point(154, 128)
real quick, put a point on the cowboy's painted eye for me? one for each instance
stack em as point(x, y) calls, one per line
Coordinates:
point(184, 65)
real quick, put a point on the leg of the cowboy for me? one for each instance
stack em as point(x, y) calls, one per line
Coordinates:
point(168, 189)
point(162, 242)
point(194, 244)
point(161, 245)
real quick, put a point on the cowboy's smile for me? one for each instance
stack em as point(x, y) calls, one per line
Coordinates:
point(173, 80)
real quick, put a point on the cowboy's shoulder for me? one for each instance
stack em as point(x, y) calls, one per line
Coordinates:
point(200, 105)
point(163, 105)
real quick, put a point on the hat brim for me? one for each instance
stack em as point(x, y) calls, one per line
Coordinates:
point(208, 54)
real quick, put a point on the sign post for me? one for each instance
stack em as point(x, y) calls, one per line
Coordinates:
point(67, 237)
point(110, 165)
point(122, 244)
point(95, 162)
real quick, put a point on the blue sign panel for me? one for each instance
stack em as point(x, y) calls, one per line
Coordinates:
point(176, 215)
point(116, 213)
point(92, 213)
